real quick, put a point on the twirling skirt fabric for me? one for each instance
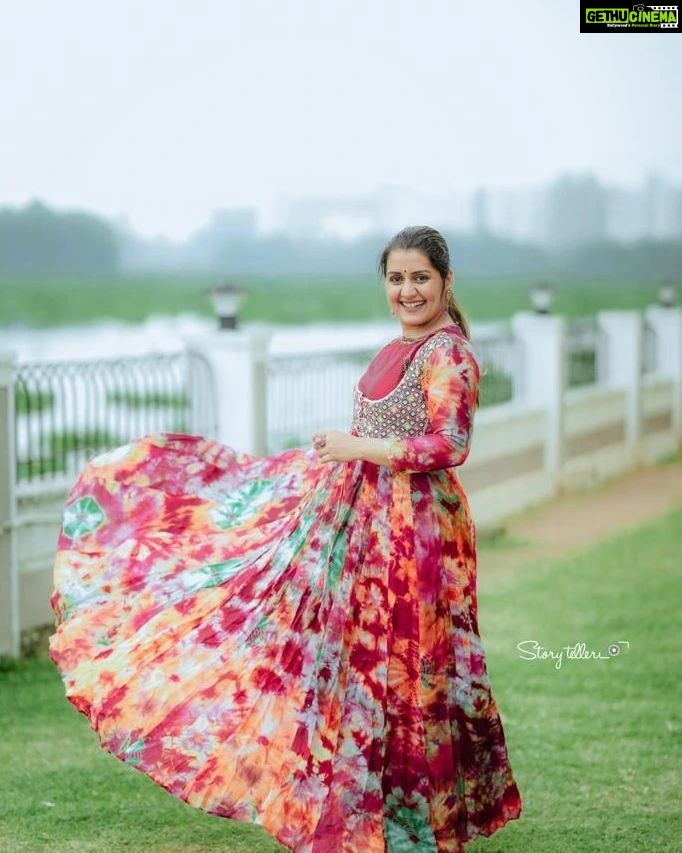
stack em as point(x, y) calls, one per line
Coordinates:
point(285, 642)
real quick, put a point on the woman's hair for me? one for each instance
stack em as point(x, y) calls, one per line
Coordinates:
point(433, 245)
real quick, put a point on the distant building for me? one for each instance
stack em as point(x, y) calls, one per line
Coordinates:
point(653, 210)
point(385, 211)
point(328, 216)
point(233, 222)
point(576, 211)
point(516, 213)
point(573, 209)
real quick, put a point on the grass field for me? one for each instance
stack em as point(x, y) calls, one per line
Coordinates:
point(58, 301)
point(595, 744)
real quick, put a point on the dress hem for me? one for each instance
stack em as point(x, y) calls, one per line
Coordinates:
point(487, 830)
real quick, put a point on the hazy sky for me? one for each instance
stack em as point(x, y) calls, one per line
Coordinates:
point(166, 109)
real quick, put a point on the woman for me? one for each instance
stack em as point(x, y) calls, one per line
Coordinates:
point(292, 640)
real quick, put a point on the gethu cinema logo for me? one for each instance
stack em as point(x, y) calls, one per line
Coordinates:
point(638, 15)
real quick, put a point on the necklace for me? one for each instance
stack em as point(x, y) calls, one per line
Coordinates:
point(403, 340)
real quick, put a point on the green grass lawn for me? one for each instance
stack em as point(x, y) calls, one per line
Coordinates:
point(595, 744)
point(48, 301)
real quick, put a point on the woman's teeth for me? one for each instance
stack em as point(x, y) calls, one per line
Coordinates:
point(413, 305)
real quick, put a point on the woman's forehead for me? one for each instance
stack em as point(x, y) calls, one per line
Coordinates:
point(407, 259)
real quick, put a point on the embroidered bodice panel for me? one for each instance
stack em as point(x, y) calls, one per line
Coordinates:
point(402, 412)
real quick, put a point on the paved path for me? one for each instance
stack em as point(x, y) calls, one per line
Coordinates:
point(573, 521)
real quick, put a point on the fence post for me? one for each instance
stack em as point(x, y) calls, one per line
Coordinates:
point(543, 379)
point(621, 367)
point(238, 359)
point(9, 580)
point(667, 325)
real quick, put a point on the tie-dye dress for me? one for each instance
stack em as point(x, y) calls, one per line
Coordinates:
point(294, 643)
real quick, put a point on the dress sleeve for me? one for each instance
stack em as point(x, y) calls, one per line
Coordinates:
point(449, 381)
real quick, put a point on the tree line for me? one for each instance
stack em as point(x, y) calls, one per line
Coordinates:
point(38, 240)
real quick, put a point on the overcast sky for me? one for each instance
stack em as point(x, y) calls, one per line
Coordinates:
point(166, 109)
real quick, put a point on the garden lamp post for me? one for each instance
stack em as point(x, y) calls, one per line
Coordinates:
point(666, 293)
point(226, 300)
point(541, 297)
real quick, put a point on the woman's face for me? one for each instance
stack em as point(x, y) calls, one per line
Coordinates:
point(415, 291)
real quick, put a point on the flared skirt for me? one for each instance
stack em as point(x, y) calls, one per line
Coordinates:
point(285, 642)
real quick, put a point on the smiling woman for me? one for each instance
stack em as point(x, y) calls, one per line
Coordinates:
point(292, 640)
point(419, 282)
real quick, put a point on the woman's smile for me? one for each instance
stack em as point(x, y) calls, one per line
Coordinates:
point(413, 307)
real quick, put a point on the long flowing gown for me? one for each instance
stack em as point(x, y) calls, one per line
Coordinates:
point(294, 643)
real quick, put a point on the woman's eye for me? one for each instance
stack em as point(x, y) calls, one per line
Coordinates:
point(422, 278)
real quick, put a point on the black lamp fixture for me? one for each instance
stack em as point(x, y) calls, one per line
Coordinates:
point(667, 293)
point(226, 300)
point(541, 296)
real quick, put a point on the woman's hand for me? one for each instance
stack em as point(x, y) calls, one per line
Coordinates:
point(335, 446)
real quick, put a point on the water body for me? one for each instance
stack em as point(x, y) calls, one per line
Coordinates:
point(111, 339)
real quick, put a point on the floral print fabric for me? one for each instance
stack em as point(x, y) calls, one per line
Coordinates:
point(291, 643)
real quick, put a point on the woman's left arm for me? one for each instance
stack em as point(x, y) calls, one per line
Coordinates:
point(450, 379)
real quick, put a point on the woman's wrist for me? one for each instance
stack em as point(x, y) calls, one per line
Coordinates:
point(360, 447)
point(372, 450)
